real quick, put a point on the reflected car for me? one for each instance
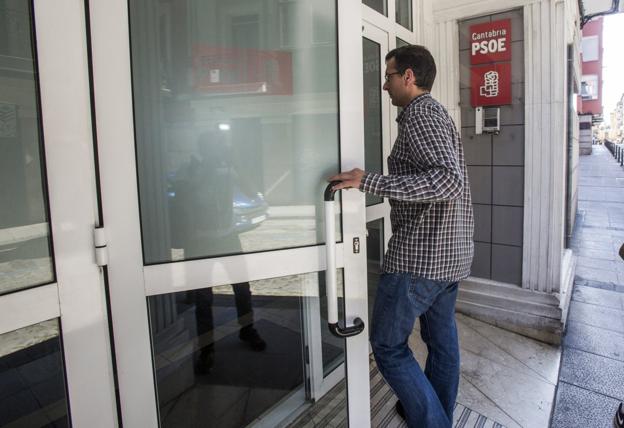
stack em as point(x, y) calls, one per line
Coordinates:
point(249, 211)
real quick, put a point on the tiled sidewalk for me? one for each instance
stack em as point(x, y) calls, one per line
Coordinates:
point(591, 380)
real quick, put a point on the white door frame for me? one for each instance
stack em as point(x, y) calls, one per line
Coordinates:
point(354, 223)
point(131, 282)
point(78, 295)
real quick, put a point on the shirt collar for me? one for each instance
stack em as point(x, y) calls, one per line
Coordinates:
point(416, 100)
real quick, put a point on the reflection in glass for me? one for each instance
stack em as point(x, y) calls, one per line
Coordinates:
point(236, 118)
point(330, 343)
point(404, 13)
point(32, 378)
point(375, 253)
point(229, 354)
point(25, 253)
point(378, 5)
point(373, 137)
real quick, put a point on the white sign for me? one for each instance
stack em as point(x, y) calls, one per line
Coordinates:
point(490, 46)
point(490, 88)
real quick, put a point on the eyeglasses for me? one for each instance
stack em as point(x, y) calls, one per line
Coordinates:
point(387, 76)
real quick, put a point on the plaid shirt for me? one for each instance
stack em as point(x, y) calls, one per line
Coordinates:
point(431, 215)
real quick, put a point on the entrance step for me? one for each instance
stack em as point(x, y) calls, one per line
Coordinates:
point(532, 314)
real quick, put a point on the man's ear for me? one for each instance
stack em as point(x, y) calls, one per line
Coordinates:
point(409, 74)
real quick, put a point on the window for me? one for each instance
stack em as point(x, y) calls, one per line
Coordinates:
point(236, 125)
point(589, 87)
point(380, 6)
point(589, 48)
point(26, 258)
point(404, 13)
point(401, 42)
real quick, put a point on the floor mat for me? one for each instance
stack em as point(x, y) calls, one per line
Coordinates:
point(279, 366)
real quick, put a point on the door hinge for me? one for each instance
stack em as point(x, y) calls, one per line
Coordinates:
point(101, 250)
point(307, 355)
point(356, 245)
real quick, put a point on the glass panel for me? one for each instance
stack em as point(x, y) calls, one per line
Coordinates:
point(380, 6)
point(323, 21)
point(236, 118)
point(404, 13)
point(373, 137)
point(25, 253)
point(374, 253)
point(331, 359)
point(32, 378)
point(230, 354)
point(401, 42)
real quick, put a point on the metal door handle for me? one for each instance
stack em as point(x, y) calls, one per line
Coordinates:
point(330, 272)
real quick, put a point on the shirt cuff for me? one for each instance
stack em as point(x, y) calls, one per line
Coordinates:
point(370, 182)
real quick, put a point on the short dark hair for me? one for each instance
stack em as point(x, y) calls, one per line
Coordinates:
point(419, 59)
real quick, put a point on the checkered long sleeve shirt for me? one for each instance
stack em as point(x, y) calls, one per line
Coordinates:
point(429, 193)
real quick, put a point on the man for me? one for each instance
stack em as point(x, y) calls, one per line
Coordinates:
point(431, 247)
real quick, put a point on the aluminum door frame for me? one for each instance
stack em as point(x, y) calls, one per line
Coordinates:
point(131, 282)
point(77, 297)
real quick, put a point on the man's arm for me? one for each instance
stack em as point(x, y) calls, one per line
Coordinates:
point(430, 144)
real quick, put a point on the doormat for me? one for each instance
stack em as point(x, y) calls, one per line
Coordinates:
point(279, 366)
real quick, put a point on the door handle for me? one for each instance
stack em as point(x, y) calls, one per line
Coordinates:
point(330, 272)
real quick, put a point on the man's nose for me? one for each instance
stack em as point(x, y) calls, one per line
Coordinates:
point(385, 86)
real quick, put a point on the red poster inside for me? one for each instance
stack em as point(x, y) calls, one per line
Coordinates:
point(220, 70)
point(490, 84)
point(490, 42)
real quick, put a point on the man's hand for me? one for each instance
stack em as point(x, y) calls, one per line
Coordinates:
point(348, 180)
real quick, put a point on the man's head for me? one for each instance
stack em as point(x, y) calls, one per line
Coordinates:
point(410, 71)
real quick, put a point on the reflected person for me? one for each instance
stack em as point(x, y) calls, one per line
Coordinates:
point(205, 226)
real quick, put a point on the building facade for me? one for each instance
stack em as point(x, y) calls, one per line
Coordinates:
point(590, 101)
point(616, 131)
point(164, 163)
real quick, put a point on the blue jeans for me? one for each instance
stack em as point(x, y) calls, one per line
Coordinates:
point(428, 398)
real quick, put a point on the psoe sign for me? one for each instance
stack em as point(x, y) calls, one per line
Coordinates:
point(490, 42)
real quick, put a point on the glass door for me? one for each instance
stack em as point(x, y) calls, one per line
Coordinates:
point(55, 361)
point(218, 123)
